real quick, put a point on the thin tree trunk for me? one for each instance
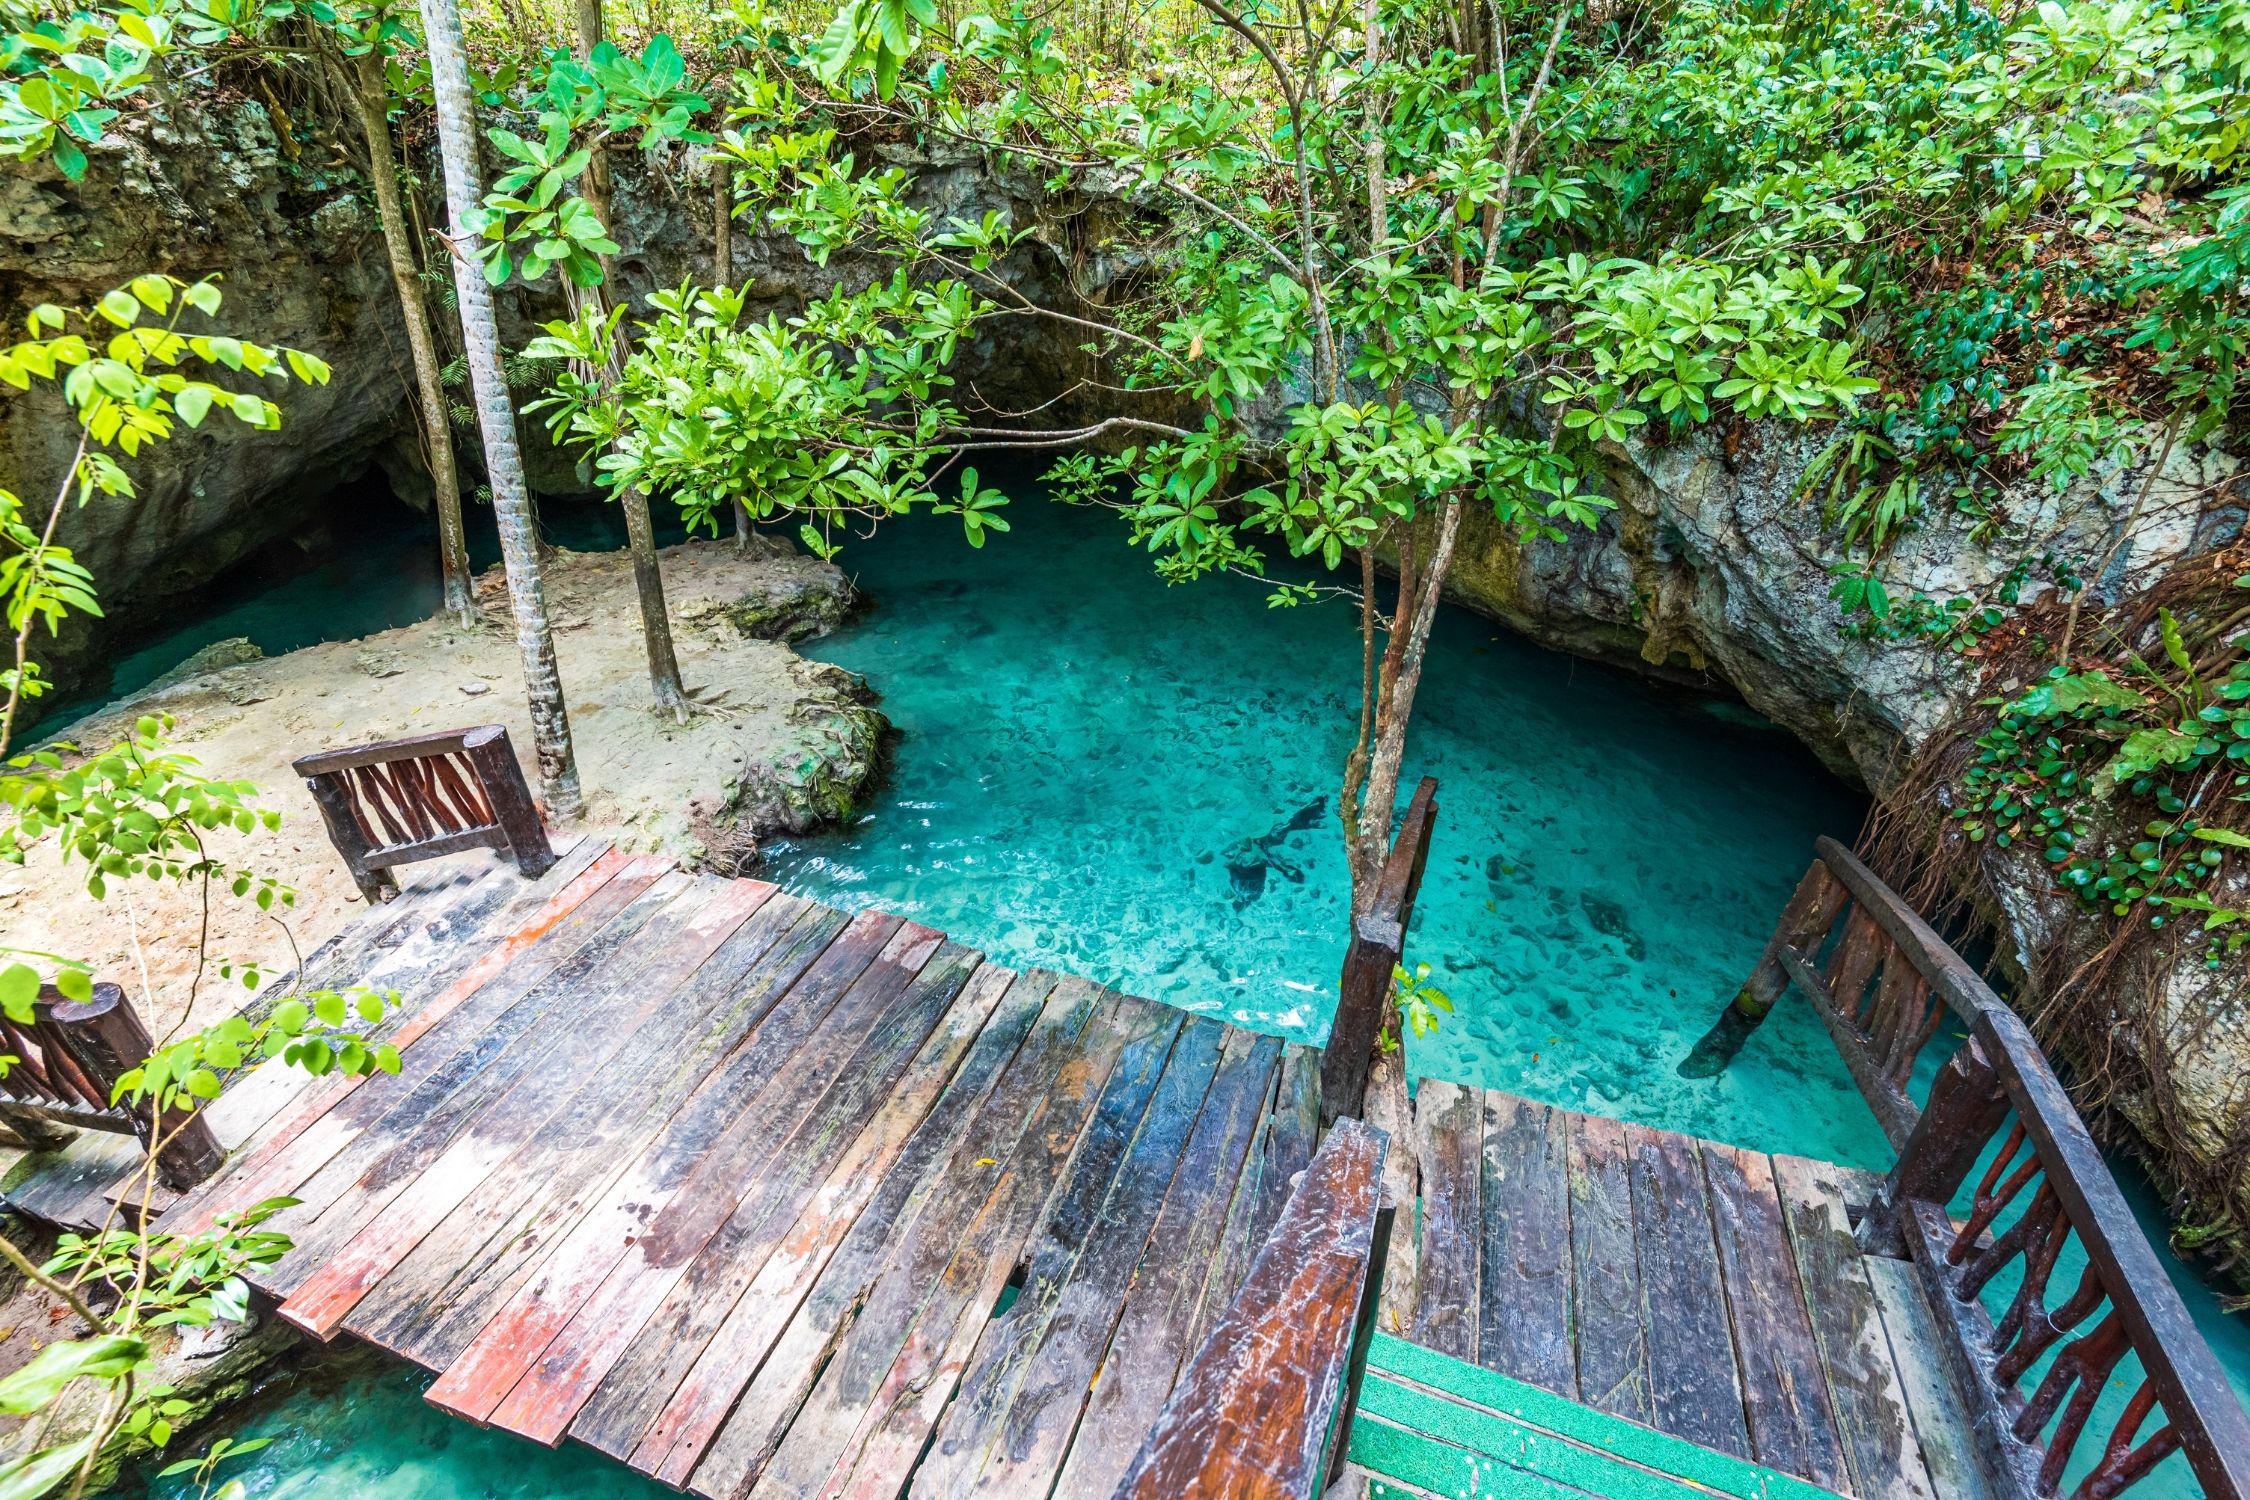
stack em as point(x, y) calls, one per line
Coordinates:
point(503, 461)
point(370, 97)
point(640, 531)
point(722, 274)
point(1395, 710)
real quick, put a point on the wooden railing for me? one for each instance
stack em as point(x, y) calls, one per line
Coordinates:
point(1363, 998)
point(1258, 1410)
point(399, 801)
point(1883, 982)
point(67, 1064)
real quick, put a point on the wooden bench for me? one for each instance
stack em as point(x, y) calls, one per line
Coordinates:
point(67, 1064)
point(427, 795)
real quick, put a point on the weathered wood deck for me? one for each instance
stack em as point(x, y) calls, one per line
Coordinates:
point(764, 1199)
point(1713, 1293)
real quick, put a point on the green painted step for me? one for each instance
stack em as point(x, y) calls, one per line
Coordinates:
point(1428, 1424)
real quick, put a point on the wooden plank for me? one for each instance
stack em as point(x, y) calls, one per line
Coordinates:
point(1284, 1147)
point(918, 1122)
point(1524, 1323)
point(667, 1262)
point(895, 1368)
point(1172, 1287)
point(1872, 1419)
point(1943, 1427)
point(899, 1248)
point(1231, 1256)
point(320, 1305)
point(491, 1332)
point(276, 1163)
point(1694, 1391)
point(1078, 1315)
point(257, 1099)
point(975, 1421)
point(440, 1295)
point(1785, 1394)
point(707, 1182)
point(383, 1135)
point(1254, 1413)
point(1450, 1120)
point(1612, 1346)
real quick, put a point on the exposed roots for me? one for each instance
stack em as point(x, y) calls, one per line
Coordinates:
point(2124, 1007)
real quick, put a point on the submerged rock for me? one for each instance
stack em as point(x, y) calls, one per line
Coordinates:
point(216, 657)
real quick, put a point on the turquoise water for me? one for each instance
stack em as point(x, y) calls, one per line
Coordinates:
point(353, 1423)
point(1135, 782)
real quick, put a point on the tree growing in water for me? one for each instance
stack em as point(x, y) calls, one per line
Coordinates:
point(1357, 331)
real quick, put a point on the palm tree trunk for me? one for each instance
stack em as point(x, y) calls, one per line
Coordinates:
point(370, 97)
point(503, 461)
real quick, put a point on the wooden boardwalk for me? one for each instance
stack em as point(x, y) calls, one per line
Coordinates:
point(765, 1199)
point(1709, 1292)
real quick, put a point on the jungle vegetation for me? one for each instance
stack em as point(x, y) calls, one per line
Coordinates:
point(1391, 263)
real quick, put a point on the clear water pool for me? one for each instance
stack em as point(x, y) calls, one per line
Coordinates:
point(1135, 782)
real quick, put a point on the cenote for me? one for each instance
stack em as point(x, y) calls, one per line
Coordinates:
point(1136, 782)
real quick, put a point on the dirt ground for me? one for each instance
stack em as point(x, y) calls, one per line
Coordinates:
point(777, 741)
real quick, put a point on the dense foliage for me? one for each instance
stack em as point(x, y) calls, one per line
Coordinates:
point(1366, 270)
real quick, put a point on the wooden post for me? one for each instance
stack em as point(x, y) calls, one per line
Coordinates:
point(1967, 1104)
point(509, 796)
point(1807, 917)
point(1363, 997)
point(334, 800)
point(106, 1039)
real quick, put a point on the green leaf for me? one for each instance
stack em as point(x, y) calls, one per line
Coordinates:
point(19, 989)
point(2226, 836)
point(75, 984)
point(37, 1474)
point(110, 1357)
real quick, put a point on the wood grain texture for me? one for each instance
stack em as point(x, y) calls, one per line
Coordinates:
point(988, 1023)
point(446, 1290)
point(1872, 1419)
point(978, 1416)
point(1524, 1281)
point(778, 1132)
point(870, 1319)
point(1169, 1290)
point(277, 1160)
point(1612, 1345)
point(1693, 1387)
point(1253, 1414)
point(1450, 1122)
point(320, 1305)
point(1785, 1393)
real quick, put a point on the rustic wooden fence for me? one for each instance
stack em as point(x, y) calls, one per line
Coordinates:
point(403, 800)
point(67, 1065)
point(1363, 999)
point(1884, 983)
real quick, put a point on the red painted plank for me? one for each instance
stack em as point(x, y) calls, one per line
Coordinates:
point(691, 1419)
point(320, 1305)
point(501, 1375)
point(273, 1167)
